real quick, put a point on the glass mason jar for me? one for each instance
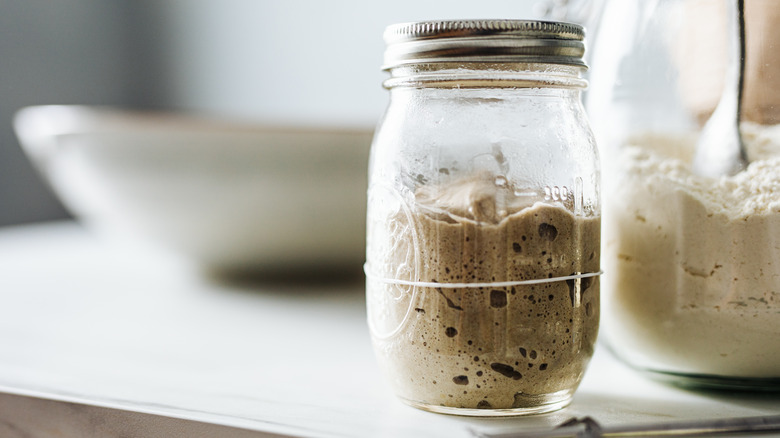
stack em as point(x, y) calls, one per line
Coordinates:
point(484, 218)
point(692, 262)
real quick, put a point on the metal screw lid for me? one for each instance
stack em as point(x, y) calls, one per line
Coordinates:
point(492, 41)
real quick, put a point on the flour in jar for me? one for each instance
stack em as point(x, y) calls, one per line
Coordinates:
point(484, 347)
point(692, 263)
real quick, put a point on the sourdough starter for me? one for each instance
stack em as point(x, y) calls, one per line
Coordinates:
point(482, 347)
point(693, 264)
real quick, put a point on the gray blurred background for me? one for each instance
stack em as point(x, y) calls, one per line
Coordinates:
point(292, 61)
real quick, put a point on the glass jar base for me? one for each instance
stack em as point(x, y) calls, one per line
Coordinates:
point(700, 380)
point(715, 382)
point(533, 405)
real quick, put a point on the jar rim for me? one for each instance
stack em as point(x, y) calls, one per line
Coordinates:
point(486, 75)
point(493, 41)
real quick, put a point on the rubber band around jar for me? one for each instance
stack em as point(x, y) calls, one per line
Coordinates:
point(373, 277)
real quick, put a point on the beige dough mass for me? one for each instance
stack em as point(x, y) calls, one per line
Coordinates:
point(484, 347)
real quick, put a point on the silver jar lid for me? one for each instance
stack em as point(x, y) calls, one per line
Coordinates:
point(491, 41)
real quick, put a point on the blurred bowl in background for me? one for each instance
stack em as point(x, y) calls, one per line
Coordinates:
point(235, 198)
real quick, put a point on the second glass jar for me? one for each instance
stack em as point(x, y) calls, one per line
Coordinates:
point(692, 285)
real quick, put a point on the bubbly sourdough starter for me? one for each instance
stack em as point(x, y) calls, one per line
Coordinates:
point(486, 347)
point(693, 265)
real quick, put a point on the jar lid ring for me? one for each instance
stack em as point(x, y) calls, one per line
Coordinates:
point(484, 41)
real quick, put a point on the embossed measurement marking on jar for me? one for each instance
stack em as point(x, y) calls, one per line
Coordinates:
point(556, 193)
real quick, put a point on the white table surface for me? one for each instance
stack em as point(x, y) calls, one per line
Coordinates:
point(89, 322)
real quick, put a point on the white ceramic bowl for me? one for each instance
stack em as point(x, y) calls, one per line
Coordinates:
point(232, 197)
